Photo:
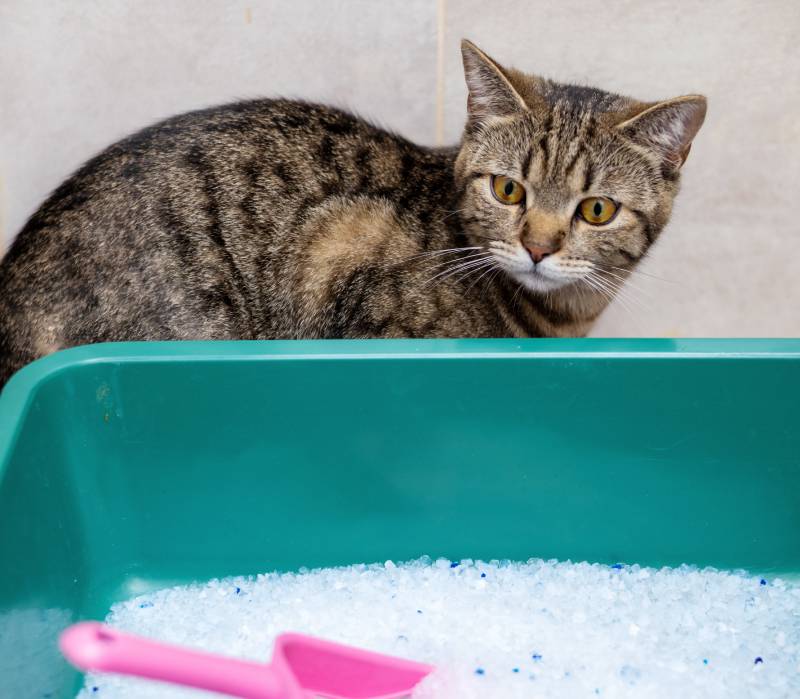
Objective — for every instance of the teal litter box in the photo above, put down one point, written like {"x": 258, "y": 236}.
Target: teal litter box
{"x": 129, "y": 467}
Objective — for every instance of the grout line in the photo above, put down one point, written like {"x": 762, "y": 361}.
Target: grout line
{"x": 441, "y": 11}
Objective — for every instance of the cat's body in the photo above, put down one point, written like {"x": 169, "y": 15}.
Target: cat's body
{"x": 277, "y": 219}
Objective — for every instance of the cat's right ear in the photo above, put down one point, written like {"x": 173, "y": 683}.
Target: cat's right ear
{"x": 490, "y": 92}
{"x": 668, "y": 127}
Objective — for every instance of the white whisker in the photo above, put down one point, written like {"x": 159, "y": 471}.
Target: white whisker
{"x": 627, "y": 282}
{"x": 439, "y": 253}
{"x": 492, "y": 279}
{"x": 594, "y": 283}
{"x": 459, "y": 267}
{"x": 516, "y": 296}
{"x": 475, "y": 270}
{"x": 645, "y": 274}
{"x": 626, "y": 290}
{"x": 463, "y": 258}
{"x": 452, "y": 213}
{"x": 492, "y": 267}
{"x": 614, "y": 290}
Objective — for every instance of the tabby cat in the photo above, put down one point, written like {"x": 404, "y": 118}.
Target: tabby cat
{"x": 280, "y": 219}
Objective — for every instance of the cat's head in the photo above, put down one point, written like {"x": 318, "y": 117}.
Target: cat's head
{"x": 561, "y": 183}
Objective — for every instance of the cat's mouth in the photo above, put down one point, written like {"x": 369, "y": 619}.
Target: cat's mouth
{"x": 543, "y": 276}
{"x": 540, "y": 279}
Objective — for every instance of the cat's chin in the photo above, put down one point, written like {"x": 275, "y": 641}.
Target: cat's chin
{"x": 536, "y": 281}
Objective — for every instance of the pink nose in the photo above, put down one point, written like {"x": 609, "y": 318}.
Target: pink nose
{"x": 538, "y": 253}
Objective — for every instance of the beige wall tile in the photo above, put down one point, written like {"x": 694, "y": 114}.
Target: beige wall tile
{"x": 77, "y": 75}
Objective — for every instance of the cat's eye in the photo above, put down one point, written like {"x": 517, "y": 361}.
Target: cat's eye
{"x": 506, "y": 190}
{"x": 597, "y": 210}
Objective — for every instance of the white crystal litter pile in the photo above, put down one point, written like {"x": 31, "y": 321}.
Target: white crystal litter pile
{"x": 539, "y": 629}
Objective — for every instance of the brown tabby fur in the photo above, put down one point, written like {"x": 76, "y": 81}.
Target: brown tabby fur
{"x": 279, "y": 219}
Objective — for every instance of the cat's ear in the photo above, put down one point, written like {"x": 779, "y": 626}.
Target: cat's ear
{"x": 668, "y": 127}
{"x": 491, "y": 94}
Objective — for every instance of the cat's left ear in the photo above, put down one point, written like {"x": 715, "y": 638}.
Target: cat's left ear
{"x": 668, "y": 127}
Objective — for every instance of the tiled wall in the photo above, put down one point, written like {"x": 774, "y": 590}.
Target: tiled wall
{"x": 77, "y": 75}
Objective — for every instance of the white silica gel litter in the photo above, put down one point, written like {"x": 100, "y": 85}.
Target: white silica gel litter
{"x": 535, "y": 630}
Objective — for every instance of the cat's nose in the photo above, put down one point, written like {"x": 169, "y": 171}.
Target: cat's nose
{"x": 538, "y": 253}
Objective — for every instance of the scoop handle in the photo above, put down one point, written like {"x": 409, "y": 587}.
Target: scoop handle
{"x": 93, "y": 646}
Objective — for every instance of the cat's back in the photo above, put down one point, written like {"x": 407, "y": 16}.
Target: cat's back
{"x": 293, "y": 154}
{"x": 308, "y": 148}
{"x": 190, "y": 224}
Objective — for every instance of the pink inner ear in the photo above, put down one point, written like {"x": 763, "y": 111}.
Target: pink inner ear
{"x": 349, "y": 673}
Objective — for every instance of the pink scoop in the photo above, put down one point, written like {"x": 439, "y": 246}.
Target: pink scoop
{"x": 302, "y": 667}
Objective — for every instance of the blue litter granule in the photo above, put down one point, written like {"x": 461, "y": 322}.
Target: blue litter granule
{"x": 617, "y": 566}
{"x": 480, "y": 671}
{"x": 705, "y": 661}
{"x": 763, "y": 582}
{"x": 419, "y": 611}
{"x": 536, "y": 657}
{"x": 630, "y": 674}
{"x": 95, "y": 689}
{"x": 238, "y": 589}
{"x": 516, "y": 669}
{"x": 454, "y": 564}
{"x": 758, "y": 660}
{"x": 483, "y": 575}
{"x": 145, "y": 605}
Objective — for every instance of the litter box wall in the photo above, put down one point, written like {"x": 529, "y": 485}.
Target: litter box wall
{"x": 133, "y": 466}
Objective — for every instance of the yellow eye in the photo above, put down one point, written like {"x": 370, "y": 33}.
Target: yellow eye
{"x": 597, "y": 210}
{"x": 507, "y": 190}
